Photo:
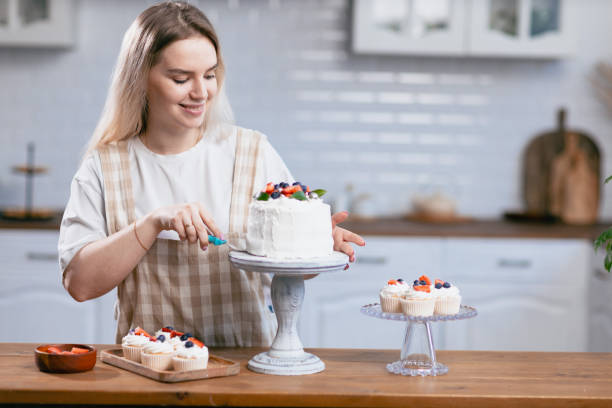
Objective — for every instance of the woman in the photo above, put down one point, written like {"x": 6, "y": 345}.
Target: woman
{"x": 165, "y": 156}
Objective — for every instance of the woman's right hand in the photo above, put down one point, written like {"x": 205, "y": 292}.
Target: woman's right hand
{"x": 191, "y": 221}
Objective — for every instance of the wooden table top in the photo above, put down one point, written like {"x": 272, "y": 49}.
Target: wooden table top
{"x": 353, "y": 378}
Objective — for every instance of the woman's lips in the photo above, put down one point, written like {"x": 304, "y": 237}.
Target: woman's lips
{"x": 195, "y": 110}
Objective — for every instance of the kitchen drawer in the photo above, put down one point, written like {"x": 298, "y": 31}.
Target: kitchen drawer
{"x": 517, "y": 261}
{"x": 385, "y": 258}
{"x": 28, "y": 251}
{"x": 33, "y": 302}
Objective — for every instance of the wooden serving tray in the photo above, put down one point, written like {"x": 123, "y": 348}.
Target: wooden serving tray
{"x": 217, "y": 367}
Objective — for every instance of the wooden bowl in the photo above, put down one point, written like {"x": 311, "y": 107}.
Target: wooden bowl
{"x": 64, "y": 363}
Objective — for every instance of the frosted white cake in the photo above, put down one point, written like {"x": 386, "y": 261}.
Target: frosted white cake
{"x": 287, "y": 228}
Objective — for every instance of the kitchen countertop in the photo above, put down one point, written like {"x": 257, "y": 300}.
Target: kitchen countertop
{"x": 353, "y": 378}
{"x": 475, "y": 228}
{"x": 397, "y": 226}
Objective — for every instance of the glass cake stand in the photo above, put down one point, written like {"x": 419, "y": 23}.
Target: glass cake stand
{"x": 286, "y": 355}
{"x": 418, "y": 355}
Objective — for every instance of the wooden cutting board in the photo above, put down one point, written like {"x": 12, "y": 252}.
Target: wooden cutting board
{"x": 561, "y": 174}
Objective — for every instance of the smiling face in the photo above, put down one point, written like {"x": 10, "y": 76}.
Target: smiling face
{"x": 181, "y": 85}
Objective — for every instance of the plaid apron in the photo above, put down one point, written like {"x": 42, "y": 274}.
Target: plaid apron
{"x": 176, "y": 283}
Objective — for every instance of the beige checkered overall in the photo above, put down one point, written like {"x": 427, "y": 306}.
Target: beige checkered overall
{"x": 178, "y": 284}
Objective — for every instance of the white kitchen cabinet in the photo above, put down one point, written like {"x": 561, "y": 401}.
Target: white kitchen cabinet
{"x": 34, "y": 306}
{"x": 487, "y": 28}
{"x": 520, "y": 28}
{"x": 531, "y": 294}
{"x": 330, "y": 314}
{"x": 409, "y": 26}
{"x": 600, "y": 307}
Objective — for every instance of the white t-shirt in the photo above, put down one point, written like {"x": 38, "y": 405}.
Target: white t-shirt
{"x": 203, "y": 173}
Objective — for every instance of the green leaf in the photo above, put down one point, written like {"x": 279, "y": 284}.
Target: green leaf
{"x": 299, "y": 195}
{"x": 320, "y": 192}
{"x": 608, "y": 261}
{"x": 603, "y": 238}
{"x": 263, "y": 196}
{"x": 608, "y": 179}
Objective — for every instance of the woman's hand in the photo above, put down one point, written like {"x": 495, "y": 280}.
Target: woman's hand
{"x": 342, "y": 237}
{"x": 191, "y": 221}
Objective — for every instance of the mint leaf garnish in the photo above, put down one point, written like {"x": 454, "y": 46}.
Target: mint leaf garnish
{"x": 263, "y": 196}
{"x": 299, "y": 195}
{"x": 320, "y": 192}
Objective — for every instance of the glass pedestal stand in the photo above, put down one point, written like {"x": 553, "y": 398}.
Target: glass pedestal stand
{"x": 418, "y": 354}
{"x": 287, "y": 355}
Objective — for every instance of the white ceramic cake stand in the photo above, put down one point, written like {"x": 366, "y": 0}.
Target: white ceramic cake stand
{"x": 287, "y": 355}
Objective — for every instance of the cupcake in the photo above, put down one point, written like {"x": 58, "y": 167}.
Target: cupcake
{"x": 418, "y": 300}
{"x": 132, "y": 344}
{"x": 448, "y": 298}
{"x": 158, "y": 354}
{"x": 172, "y": 336}
{"x": 390, "y": 295}
{"x": 191, "y": 356}
{"x": 179, "y": 341}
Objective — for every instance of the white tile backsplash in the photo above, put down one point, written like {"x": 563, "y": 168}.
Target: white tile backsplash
{"x": 393, "y": 126}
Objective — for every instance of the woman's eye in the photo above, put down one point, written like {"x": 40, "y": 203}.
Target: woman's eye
{"x": 209, "y": 76}
{"x": 179, "y": 81}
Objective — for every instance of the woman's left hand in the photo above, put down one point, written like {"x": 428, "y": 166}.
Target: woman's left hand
{"x": 343, "y": 237}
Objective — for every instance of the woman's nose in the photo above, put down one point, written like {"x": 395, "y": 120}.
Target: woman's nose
{"x": 198, "y": 91}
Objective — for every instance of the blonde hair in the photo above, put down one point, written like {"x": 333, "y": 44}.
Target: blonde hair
{"x": 125, "y": 111}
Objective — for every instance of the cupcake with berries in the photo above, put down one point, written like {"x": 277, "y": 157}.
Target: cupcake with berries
{"x": 391, "y": 294}
{"x": 180, "y": 339}
{"x": 418, "y": 300}
{"x": 448, "y": 298}
{"x": 192, "y": 355}
{"x": 172, "y": 336}
{"x": 158, "y": 354}
{"x": 133, "y": 343}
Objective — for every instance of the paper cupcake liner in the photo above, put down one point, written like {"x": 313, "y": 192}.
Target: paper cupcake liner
{"x": 157, "y": 361}
{"x": 184, "y": 364}
{"x": 132, "y": 352}
{"x": 418, "y": 307}
{"x": 390, "y": 304}
{"x": 447, "y": 305}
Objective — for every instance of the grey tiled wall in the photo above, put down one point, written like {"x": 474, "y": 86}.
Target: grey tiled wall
{"x": 392, "y": 126}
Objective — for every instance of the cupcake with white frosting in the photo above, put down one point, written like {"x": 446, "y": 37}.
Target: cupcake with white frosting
{"x": 448, "y": 298}
{"x": 179, "y": 341}
{"x": 418, "y": 300}
{"x": 190, "y": 357}
{"x": 158, "y": 354}
{"x": 132, "y": 345}
{"x": 391, "y": 294}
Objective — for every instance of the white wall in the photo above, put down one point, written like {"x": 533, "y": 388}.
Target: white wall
{"x": 291, "y": 75}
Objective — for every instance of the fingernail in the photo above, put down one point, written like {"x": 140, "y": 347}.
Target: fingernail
{"x": 204, "y": 248}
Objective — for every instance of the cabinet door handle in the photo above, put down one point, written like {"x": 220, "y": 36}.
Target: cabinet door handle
{"x": 371, "y": 260}
{"x": 41, "y": 256}
{"x": 514, "y": 263}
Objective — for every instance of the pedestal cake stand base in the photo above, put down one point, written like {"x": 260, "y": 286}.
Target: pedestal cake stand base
{"x": 287, "y": 355}
{"x": 266, "y": 364}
